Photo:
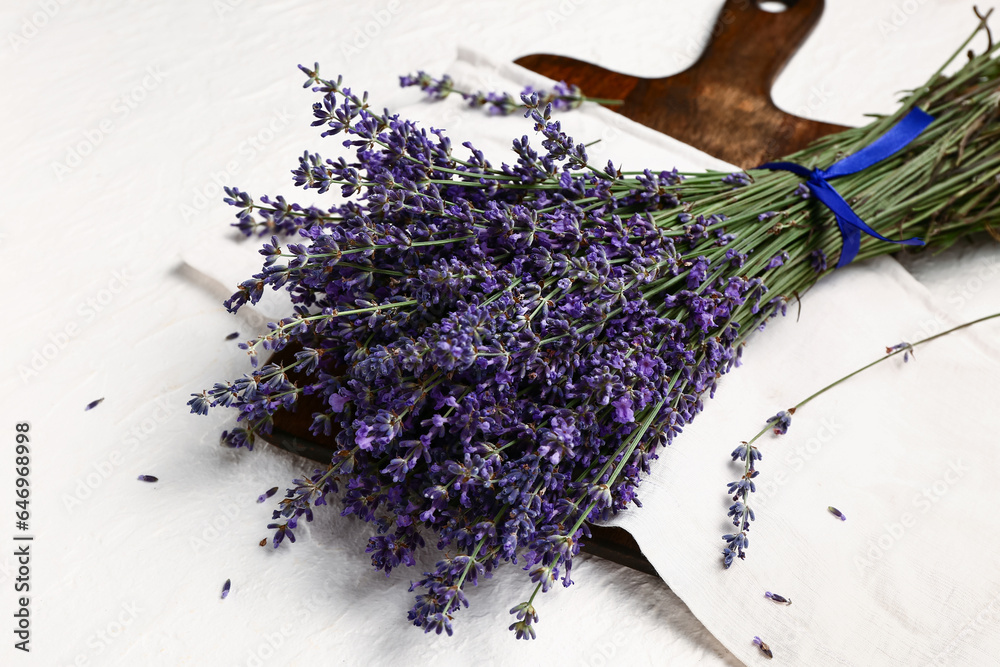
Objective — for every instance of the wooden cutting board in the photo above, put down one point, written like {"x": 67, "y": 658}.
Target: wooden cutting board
{"x": 721, "y": 105}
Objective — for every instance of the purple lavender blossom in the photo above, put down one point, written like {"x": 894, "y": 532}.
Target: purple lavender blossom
{"x": 526, "y": 617}
{"x": 777, "y": 260}
{"x": 837, "y": 513}
{"x": 93, "y": 404}
{"x": 781, "y": 421}
{"x": 225, "y": 588}
{"x": 817, "y": 258}
{"x": 737, "y": 179}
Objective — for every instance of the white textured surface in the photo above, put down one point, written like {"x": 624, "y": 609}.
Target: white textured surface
{"x": 165, "y": 100}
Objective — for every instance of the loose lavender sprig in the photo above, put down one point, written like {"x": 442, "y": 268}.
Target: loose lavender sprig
{"x": 563, "y": 96}
{"x": 746, "y": 453}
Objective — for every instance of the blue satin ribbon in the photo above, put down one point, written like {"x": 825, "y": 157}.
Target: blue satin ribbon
{"x": 851, "y": 226}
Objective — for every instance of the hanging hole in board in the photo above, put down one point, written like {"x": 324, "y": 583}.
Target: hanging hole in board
{"x": 775, "y": 6}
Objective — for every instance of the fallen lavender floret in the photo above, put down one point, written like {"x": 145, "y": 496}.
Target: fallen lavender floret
{"x": 267, "y": 494}
{"x": 837, "y": 513}
{"x": 225, "y": 588}
{"x": 780, "y": 599}
{"x": 148, "y": 478}
{"x": 93, "y": 404}
{"x": 764, "y": 648}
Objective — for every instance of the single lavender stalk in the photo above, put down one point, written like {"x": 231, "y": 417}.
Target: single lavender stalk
{"x": 563, "y": 96}
{"x": 746, "y": 453}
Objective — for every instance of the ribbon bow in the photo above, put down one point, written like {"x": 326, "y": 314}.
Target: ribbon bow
{"x": 850, "y": 225}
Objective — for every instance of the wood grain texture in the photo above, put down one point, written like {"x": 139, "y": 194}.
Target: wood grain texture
{"x": 721, "y": 105}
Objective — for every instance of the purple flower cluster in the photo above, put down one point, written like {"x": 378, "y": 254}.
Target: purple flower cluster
{"x": 502, "y": 350}
{"x": 740, "y": 511}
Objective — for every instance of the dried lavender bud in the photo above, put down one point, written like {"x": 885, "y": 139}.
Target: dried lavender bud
{"x": 263, "y": 542}
{"x": 778, "y": 598}
{"x": 901, "y": 346}
{"x": 738, "y": 179}
{"x": 526, "y": 617}
{"x": 233, "y": 336}
{"x": 817, "y": 259}
{"x": 93, "y": 404}
{"x": 267, "y": 494}
{"x": 148, "y": 478}
{"x": 764, "y": 648}
{"x": 837, "y": 513}
{"x": 781, "y": 422}
{"x": 225, "y": 588}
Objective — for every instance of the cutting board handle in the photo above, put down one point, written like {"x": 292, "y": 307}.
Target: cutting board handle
{"x": 722, "y": 104}
{"x": 750, "y": 46}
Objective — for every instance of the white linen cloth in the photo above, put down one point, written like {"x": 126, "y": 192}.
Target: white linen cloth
{"x": 124, "y": 123}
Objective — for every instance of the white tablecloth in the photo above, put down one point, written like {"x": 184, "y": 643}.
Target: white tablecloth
{"x": 120, "y": 125}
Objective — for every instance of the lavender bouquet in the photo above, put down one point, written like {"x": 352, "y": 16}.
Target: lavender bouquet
{"x": 503, "y": 350}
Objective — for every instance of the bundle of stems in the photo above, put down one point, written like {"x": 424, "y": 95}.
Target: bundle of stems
{"x": 504, "y": 350}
